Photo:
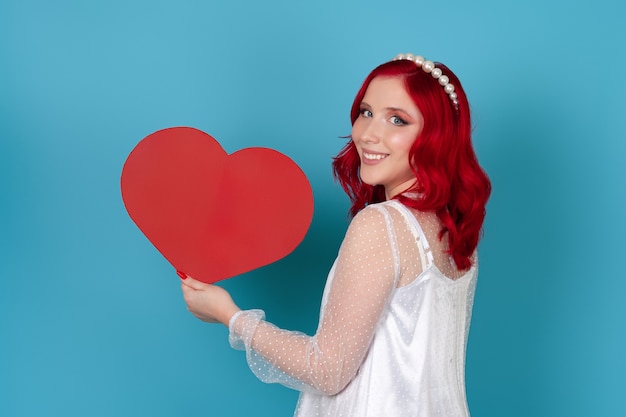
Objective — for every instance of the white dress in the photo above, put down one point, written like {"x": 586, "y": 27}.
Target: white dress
{"x": 392, "y": 332}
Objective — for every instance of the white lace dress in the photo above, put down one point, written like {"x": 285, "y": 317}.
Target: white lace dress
{"x": 392, "y": 332}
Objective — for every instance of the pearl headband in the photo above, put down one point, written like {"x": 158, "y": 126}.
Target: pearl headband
{"x": 429, "y": 67}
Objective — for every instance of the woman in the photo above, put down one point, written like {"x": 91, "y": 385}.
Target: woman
{"x": 397, "y": 304}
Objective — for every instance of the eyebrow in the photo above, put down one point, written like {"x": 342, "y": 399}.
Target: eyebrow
{"x": 392, "y": 109}
{"x": 398, "y": 109}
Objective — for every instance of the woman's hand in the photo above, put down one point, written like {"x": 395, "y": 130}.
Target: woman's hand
{"x": 208, "y": 302}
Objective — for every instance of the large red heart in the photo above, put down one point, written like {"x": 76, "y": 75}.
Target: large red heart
{"x": 210, "y": 214}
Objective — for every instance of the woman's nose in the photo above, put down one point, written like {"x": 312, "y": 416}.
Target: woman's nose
{"x": 371, "y": 133}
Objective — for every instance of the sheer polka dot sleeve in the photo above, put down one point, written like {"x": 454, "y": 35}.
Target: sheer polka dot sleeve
{"x": 360, "y": 283}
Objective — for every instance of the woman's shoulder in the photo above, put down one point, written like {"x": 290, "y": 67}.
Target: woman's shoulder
{"x": 389, "y": 209}
{"x": 378, "y": 217}
{"x": 372, "y": 219}
{"x": 373, "y": 212}
{"x": 379, "y": 207}
{"x": 369, "y": 229}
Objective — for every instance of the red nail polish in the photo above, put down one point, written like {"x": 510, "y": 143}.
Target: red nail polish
{"x": 182, "y": 275}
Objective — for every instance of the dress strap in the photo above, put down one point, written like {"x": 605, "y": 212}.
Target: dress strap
{"x": 422, "y": 243}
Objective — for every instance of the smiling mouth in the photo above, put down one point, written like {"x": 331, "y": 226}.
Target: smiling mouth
{"x": 374, "y": 156}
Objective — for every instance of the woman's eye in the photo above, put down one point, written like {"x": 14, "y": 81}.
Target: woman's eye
{"x": 366, "y": 113}
{"x": 395, "y": 120}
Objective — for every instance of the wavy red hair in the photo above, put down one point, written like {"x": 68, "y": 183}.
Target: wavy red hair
{"x": 450, "y": 181}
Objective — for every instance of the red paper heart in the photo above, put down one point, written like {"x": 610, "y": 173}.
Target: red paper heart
{"x": 210, "y": 214}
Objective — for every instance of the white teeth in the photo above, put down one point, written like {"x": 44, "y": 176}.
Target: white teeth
{"x": 373, "y": 156}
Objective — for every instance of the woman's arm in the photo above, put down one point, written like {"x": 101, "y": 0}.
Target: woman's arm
{"x": 366, "y": 272}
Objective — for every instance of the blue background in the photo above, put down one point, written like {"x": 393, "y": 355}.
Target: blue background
{"x": 92, "y": 322}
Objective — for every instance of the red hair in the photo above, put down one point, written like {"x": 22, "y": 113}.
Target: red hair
{"x": 450, "y": 181}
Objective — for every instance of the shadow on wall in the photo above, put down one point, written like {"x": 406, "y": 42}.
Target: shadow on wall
{"x": 290, "y": 290}
{"x": 527, "y": 247}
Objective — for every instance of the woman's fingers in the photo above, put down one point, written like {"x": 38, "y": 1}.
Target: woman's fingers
{"x": 194, "y": 284}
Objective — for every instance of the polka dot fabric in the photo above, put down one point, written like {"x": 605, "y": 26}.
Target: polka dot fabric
{"x": 393, "y": 326}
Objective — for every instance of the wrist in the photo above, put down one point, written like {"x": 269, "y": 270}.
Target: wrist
{"x": 225, "y": 320}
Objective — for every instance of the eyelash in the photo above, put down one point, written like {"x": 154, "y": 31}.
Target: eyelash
{"x": 400, "y": 120}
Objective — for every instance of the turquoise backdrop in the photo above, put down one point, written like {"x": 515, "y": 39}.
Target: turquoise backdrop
{"x": 92, "y": 322}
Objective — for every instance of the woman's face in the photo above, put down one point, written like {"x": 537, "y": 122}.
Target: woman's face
{"x": 383, "y": 134}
